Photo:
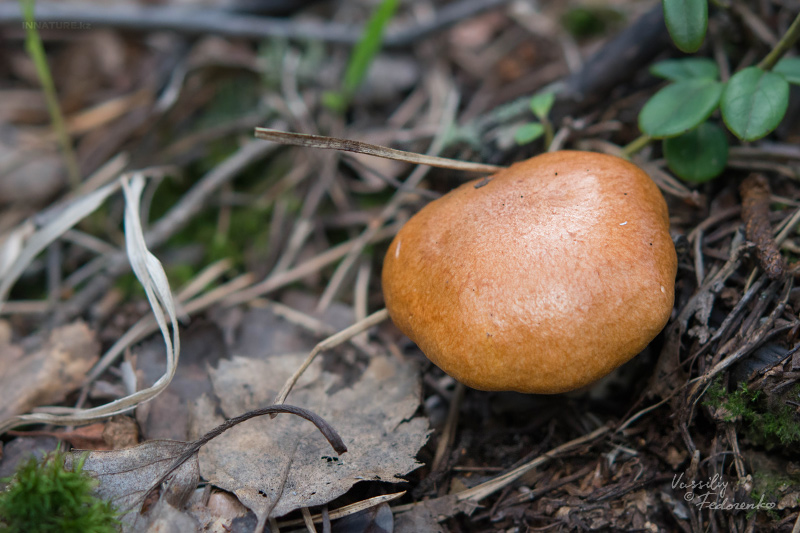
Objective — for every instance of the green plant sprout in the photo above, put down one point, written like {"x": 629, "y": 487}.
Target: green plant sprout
{"x": 46, "y": 498}
{"x": 35, "y": 48}
{"x": 363, "y": 55}
{"x": 540, "y": 105}
{"x": 752, "y": 102}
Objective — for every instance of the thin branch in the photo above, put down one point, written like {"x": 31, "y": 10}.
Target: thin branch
{"x": 193, "y": 447}
{"x": 347, "y": 145}
{"x": 242, "y": 26}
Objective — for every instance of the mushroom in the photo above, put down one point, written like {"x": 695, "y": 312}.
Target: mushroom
{"x": 539, "y": 279}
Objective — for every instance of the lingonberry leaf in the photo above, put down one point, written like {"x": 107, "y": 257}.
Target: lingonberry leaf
{"x": 698, "y": 155}
{"x": 686, "y": 69}
{"x": 754, "y": 103}
{"x": 789, "y": 68}
{"x": 679, "y": 107}
{"x": 687, "y": 21}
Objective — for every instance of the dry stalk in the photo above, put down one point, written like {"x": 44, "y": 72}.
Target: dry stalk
{"x": 347, "y": 145}
{"x": 334, "y": 340}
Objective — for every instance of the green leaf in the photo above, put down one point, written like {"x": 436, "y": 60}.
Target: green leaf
{"x": 541, "y": 105}
{"x": 335, "y": 100}
{"x": 528, "y": 133}
{"x": 789, "y": 68}
{"x": 679, "y": 107}
{"x": 687, "y": 21}
{"x": 699, "y": 155}
{"x": 363, "y": 54}
{"x": 368, "y": 46}
{"x": 754, "y": 103}
{"x": 686, "y": 69}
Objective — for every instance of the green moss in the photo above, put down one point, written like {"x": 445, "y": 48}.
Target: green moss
{"x": 770, "y": 486}
{"x": 234, "y": 96}
{"x": 44, "y": 497}
{"x": 765, "y": 423}
{"x": 587, "y": 21}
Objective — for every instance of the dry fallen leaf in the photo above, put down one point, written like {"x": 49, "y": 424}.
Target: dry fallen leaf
{"x": 167, "y": 416}
{"x": 47, "y": 375}
{"x": 129, "y": 478}
{"x": 127, "y": 475}
{"x": 272, "y": 465}
{"x": 120, "y": 432}
{"x": 85, "y": 437}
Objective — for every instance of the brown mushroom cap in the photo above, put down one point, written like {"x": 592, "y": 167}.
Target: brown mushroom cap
{"x": 543, "y": 280}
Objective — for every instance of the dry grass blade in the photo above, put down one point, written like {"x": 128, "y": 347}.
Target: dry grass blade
{"x": 479, "y": 492}
{"x": 150, "y": 274}
{"x": 147, "y": 325}
{"x": 347, "y": 510}
{"x": 445, "y": 122}
{"x": 334, "y": 340}
{"x": 308, "y": 521}
{"x": 57, "y": 226}
{"x": 347, "y": 145}
{"x": 281, "y": 279}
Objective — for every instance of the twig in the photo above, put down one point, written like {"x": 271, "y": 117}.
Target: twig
{"x": 192, "y": 448}
{"x": 618, "y": 60}
{"x": 750, "y": 343}
{"x": 325, "y": 166}
{"x": 755, "y": 213}
{"x": 276, "y": 281}
{"x": 241, "y": 26}
{"x": 413, "y": 180}
{"x": 787, "y": 227}
{"x": 479, "y": 492}
{"x": 347, "y": 145}
{"x": 755, "y": 24}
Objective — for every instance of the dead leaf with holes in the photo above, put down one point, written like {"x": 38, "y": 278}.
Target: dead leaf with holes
{"x": 129, "y": 478}
{"x": 126, "y": 476}
{"x": 274, "y": 467}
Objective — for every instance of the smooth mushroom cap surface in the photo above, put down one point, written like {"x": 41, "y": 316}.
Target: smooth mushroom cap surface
{"x": 543, "y": 280}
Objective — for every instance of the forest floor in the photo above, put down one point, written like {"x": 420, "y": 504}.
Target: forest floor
{"x": 271, "y": 249}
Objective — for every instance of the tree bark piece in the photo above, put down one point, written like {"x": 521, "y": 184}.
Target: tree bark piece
{"x": 755, "y": 213}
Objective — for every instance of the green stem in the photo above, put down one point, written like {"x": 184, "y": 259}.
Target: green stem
{"x": 636, "y": 145}
{"x": 548, "y": 132}
{"x": 35, "y": 48}
{"x": 786, "y": 42}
